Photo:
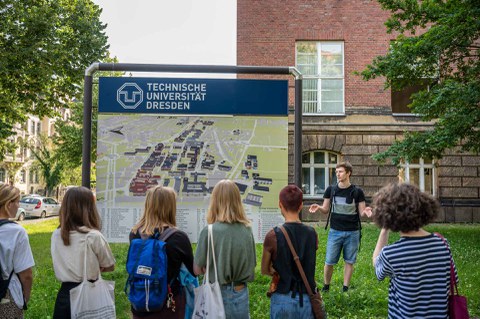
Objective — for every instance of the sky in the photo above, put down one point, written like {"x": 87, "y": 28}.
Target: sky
{"x": 171, "y": 31}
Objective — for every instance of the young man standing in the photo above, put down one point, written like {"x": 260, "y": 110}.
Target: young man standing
{"x": 348, "y": 203}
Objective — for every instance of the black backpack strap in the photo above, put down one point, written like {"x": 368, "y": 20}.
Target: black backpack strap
{"x": 6, "y": 221}
{"x": 354, "y": 194}
{"x": 167, "y": 233}
{"x": 332, "y": 199}
{"x": 7, "y": 283}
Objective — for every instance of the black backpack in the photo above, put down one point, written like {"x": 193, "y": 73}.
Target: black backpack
{"x": 4, "y": 282}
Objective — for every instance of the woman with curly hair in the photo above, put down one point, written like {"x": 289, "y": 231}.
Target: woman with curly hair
{"x": 418, "y": 264}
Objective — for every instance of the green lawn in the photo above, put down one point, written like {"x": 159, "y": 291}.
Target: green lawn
{"x": 367, "y": 298}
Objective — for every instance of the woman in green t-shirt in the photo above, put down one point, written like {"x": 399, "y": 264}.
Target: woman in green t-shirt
{"x": 234, "y": 248}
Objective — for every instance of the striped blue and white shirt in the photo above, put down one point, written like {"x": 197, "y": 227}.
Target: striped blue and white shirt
{"x": 419, "y": 271}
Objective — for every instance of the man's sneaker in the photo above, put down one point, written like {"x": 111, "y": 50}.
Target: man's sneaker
{"x": 345, "y": 288}
{"x": 326, "y": 288}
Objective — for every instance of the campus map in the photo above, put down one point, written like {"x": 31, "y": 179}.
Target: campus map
{"x": 190, "y": 154}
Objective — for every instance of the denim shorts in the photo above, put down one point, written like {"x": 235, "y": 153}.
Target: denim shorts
{"x": 283, "y": 306}
{"x": 348, "y": 241}
{"x": 235, "y": 302}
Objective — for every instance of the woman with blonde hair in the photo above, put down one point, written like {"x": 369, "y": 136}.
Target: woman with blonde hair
{"x": 79, "y": 230}
{"x": 15, "y": 256}
{"x": 158, "y": 216}
{"x": 234, "y": 248}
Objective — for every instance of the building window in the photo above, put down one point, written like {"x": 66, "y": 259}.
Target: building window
{"x": 32, "y": 127}
{"x": 36, "y": 177}
{"x": 39, "y": 128}
{"x": 402, "y": 99}
{"x": 23, "y": 176}
{"x": 420, "y": 173}
{"x": 2, "y": 175}
{"x": 318, "y": 172}
{"x": 321, "y": 64}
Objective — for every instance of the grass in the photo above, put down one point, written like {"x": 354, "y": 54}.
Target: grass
{"x": 366, "y": 299}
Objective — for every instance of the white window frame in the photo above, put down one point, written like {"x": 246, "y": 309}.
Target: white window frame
{"x": 319, "y": 77}
{"x": 421, "y": 166}
{"x": 325, "y": 166}
{"x": 3, "y": 174}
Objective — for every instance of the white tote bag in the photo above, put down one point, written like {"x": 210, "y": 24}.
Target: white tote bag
{"x": 208, "y": 297}
{"x": 92, "y": 300}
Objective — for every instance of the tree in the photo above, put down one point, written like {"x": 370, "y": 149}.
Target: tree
{"x": 69, "y": 134}
{"x": 48, "y": 161}
{"x": 440, "y": 41}
{"x": 45, "y": 46}
{"x": 12, "y": 169}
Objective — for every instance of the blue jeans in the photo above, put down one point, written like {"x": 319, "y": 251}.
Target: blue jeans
{"x": 283, "y": 306}
{"x": 235, "y": 302}
{"x": 348, "y": 241}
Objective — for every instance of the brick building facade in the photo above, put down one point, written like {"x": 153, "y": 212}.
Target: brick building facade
{"x": 344, "y": 117}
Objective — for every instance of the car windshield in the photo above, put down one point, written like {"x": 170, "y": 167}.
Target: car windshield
{"x": 29, "y": 200}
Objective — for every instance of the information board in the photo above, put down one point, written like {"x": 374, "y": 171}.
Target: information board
{"x": 189, "y": 134}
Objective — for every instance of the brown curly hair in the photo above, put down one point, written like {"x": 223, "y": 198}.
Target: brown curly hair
{"x": 403, "y": 207}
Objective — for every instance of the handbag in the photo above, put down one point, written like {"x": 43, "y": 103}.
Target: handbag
{"x": 457, "y": 305}
{"x": 91, "y": 300}
{"x": 208, "y": 297}
{"x": 318, "y": 307}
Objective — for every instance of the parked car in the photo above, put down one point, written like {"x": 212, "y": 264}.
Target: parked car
{"x": 39, "y": 206}
{"x": 20, "y": 214}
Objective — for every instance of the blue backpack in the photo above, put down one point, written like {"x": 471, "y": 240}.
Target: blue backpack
{"x": 147, "y": 286}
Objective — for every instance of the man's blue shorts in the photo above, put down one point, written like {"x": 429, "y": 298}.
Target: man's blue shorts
{"x": 348, "y": 241}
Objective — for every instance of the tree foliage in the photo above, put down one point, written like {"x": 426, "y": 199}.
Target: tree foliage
{"x": 69, "y": 134}
{"x": 45, "y": 46}
{"x": 48, "y": 162}
{"x": 69, "y": 137}
{"x": 440, "y": 41}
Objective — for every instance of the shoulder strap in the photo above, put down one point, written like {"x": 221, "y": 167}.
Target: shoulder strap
{"x": 297, "y": 261}
{"x": 354, "y": 193}
{"x": 453, "y": 282}
{"x": 167, "y": 233}
{"x": 3, "y": 222}
{"x": 6, "y": 221}
{"x": 332, "y": 199}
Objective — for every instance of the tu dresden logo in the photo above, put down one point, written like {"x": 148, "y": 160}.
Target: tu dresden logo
{"x": 129, "y": 96}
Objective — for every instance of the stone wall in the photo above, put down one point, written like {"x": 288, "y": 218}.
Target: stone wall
{"x": 457, "y": 174}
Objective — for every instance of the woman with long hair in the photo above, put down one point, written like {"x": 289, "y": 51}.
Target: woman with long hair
{"x": 158, "y": 216}
{"x": 234, "y": 248}
{"x": 79, "y": 230}
{"x": 16, "y": 256}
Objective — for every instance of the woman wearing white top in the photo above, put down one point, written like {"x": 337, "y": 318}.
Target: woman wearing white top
{"x": 15, "y": 256}
{"x": 79, "y": 222}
